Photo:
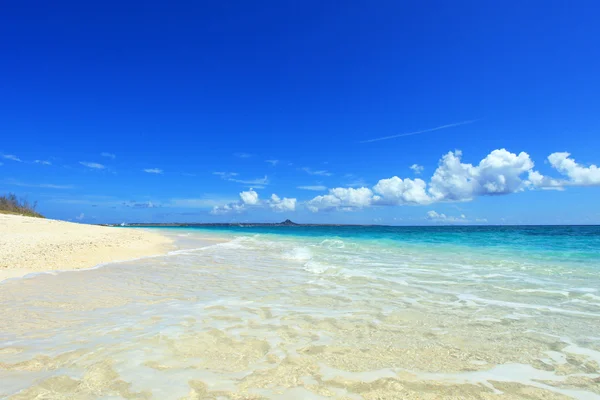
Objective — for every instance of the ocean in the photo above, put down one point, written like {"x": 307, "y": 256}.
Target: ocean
{"x": 299, "y": 312}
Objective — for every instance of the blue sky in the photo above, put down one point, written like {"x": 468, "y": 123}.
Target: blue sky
{"x": 160, "y": 112}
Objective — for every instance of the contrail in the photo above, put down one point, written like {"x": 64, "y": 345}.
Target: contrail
{"x": 419, "y": 132}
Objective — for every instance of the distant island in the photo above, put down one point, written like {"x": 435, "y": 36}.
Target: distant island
{"x": 287, "y": 222}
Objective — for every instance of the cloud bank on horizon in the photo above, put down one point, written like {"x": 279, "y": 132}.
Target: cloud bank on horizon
{"x": 499, "y": 173}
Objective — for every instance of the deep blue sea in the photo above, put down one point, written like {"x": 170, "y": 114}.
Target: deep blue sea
{"x": 343, "y": 312}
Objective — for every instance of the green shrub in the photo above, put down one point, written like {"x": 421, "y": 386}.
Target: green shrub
{"x": 11, "y": 204}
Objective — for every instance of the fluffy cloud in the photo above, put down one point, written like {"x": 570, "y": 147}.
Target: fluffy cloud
{"x": 500, "y": 172}
{"x": 92, "y": 165}
{"x": 417, "y": 169}
{"x": 395, "y": 191}
{"x": 578, "y": 175}
{"x": 280, "y": 205}
{"x": 250, "y": 199}
{"x": 343, "y": 198}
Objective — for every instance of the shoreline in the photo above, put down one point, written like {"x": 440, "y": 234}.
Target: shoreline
{"x": 31, "y": 245}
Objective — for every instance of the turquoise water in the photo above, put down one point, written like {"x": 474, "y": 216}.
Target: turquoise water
{"x": 562, "y": 244}
{"x": 317, "y": 313}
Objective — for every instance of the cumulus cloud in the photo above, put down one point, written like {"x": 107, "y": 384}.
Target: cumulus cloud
{"x": 42, "y": 162}
{"x": 396, "y": 191}
{"x": 91, "y": 165}
{"x": 280, "y": 205}
{"x": 80, "y": 217}
{"x": 250, "y": 198}
{"x": 153, "y": 170}
{"x": 311, "y": 171}
{"x": 499, "y": 173}
{"x": 417, "y": 169}
{"x": 11, "y": 157}
{"x": 108, "y": 155}
{"x": 343, "y": 198}
{"x": 247, "y": 198}
{"x": 577, "y": 174}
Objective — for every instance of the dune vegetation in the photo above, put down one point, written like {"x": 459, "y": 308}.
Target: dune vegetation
{"x": 12, "y": 204}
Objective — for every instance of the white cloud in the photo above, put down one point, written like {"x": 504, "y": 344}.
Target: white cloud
{"x": 42, "y": 162}
{"x": 280, "y": 205}
{"x": 443, "y": 218}
{"x": 498, "y": 173}
{"x": 227, "y": 208}
{"x": 272, "y": 162}
{"x": 11, "y": 157}
{"x": 396, "y": 191}
{"x": 80, "y": 217}
{"x": 316, "y": 188}
{"x": 108, "y": 155}
{"x": 249, "y": 197}
{"x": 578, "y": 175}
{"x": 342, "y": 198}
{"x": 417, "y": 169}
{"x": 316, "y": 172}
{"x": 153, "y": 170}
{"x": 92, "y": 165}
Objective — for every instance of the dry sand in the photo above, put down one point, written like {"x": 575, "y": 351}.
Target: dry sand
{"x": 34, "y": 244}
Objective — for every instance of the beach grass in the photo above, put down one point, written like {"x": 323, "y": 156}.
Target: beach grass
{"x": 12, "y": 204}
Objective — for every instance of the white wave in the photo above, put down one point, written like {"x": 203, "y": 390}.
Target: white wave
{"x": 298, "y": 253}
{"x": 317, "y": 268}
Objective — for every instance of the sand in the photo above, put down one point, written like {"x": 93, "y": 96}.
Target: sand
{"x": 30, "y": 245}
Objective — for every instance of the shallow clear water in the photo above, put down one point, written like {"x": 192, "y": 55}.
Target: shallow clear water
{"x": 317, "y": 312}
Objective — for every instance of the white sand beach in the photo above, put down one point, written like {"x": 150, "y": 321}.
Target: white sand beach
{"x": 35, "y": 244}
